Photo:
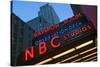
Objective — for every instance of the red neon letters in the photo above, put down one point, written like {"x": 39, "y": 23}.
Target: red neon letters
{"x": 29, "y": 54}
{"x": 52, "y": 42}
{"x": 42, "y": 48}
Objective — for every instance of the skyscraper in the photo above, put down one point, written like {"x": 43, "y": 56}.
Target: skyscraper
{"x": 49, "y": 14}
{"x": 46, "y": 17}
{"x": 21, "y": 37}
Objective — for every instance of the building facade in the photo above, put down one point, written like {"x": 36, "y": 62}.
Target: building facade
{"x": 89, "y": 11}
{"x": 21, "y": 37}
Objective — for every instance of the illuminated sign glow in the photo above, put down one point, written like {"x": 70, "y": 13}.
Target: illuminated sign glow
{"x": 51, "y": 37}
{"x": 42, "y": 48}
{"x": 63, "y": 28}
{"x": 55, "y": 26}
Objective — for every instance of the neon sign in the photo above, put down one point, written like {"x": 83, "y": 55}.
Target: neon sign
{"x": 53, "y": 27}
{"x": 51, "y": 38}
{"x": 59, "y": 29}
{"x": 42, "y": 48}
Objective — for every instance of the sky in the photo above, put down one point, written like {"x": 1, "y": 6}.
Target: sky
{"x": 27, "y": 10}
